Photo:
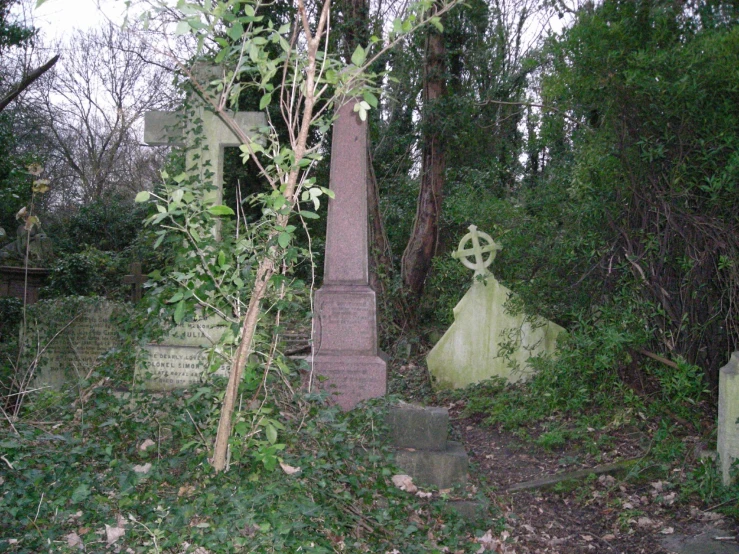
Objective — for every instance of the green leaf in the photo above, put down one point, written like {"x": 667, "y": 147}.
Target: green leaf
{"x": 176, "y": 298}
{"x": 436, "y": 22}
{"x": 221, "y": 258}
{"x": 143, "y": 196}
{"x": 271, "y": 433}
{"x": 359, "y": 56}
{"x": 236, "y": 31}
{"x": 83, "y": 491}
{"x": 177, "y": 196}
{"x": 283, "y": 239}
{"x": 370, "y": 98}
{"x": 179, "y": 312}
{"x": 220, "y": 210}
{"x": 264, "y": 102}
{"x": 309, "y": 215}
{"x": 397, "y": 26}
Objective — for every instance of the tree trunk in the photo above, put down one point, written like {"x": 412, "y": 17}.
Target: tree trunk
{"x": 421, "y": 246}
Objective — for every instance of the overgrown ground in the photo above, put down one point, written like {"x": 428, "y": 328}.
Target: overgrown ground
{"x": 98, "y": 469}
{"x": 664, "y": 492}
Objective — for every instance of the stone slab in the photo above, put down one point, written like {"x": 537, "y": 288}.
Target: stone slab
{"x": 419, "y": 427}
{"x": 174, "y": 367}
{"x": 76, "y": 348}
{"x": 728, "y": 417}
{"x": 204, "y": 332}
{"x": 471, "y": 511}
{"x": 701, "y": 540}
{"x": 345, "y": 321}
{"x": 180, "y": 360}
{"x": 347, "y": 250}
{"x": 486, "y": 341}
{"x": 442, "y": 469}
{"x": 351, "y": 379}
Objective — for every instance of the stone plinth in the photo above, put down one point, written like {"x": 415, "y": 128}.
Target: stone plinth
{"x": 728, "y": 415}
{"x": 419, "y": 435}
{"x": 442, "y": 469}
{"x": 345, "y": 351}
{"x": 418, "y": 427}
{"x": 13, "y": 282}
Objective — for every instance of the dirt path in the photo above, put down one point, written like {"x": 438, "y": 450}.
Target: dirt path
{"x": 602, "y": 514}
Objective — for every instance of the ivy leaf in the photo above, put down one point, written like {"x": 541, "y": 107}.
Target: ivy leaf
{"x": 179, "y": 312}
{"x": 359, "y": 56}
{"x": 271, "y": 433}
{"x": 220, "y": 210}
{"x": 143, "y": 196}
{"x": 81, "y": 493}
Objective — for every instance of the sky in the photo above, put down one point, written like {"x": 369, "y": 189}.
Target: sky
{"x": 57, "y": 18}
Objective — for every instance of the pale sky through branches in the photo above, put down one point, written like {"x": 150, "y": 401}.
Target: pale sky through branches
{"x": 58, "y": 18}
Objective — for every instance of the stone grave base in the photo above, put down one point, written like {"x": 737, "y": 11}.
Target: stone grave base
{"x": 419, "y": 436}
{"x": 356, "y": 377}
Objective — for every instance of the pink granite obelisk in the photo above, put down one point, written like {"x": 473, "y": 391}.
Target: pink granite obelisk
{"x": 345, "y": 349}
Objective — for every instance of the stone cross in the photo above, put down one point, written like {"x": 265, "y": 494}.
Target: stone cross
{"x": 345, "y": 348}
{"x": 205, "y": 157}
{"x": 728, "y": 416}
{"x": 137, "y": 279}
{"x": 476, "y": 251}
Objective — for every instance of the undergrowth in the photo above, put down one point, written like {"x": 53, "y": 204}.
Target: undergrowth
{"x": 75, "y": 471}
{"x": 586, "y": 396}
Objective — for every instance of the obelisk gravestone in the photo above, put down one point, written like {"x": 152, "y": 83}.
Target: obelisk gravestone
{"x": 345, "y": 349}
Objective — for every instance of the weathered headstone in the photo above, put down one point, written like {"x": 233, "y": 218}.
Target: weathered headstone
{"x": 181, "y": 360}
{"x": 204, "y": 153}
{"x": 486, "y": 340}
{"x": 70, "y": 347}
{"x": 345, "y": 349}
{"x": 728, "y": 416}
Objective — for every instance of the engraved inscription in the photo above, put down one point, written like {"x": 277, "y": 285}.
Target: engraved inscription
{"x": 347, "y": 323}
{"x": 77, "y": 348}
{"x": 173, "y": 367}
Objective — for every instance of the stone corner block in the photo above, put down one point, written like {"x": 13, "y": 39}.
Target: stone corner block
{"x": 422, "y": 428}
{"x": 442, "y": 469}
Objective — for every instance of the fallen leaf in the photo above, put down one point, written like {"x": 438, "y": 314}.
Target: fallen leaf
{"x": 145, "y": 468}
{"x": 421, "y": 494}
{"x": 586, "y": 538}
{"x": 290, "y": 470}
{"x": 112, "y": 534}
{"x": 73, "y": 539}
{"x": 608, "y": 537}
{"x": 644, "y": 522}
{"x": 185, "y": 490}
{"x": 404, "y": 483}
{"x": 148, "y": 443}
{"x": 667, "y": 531}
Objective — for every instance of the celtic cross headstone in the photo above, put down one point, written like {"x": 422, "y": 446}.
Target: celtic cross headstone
{"x": 486, "y": 339}
{"x": 473, "y": 256}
